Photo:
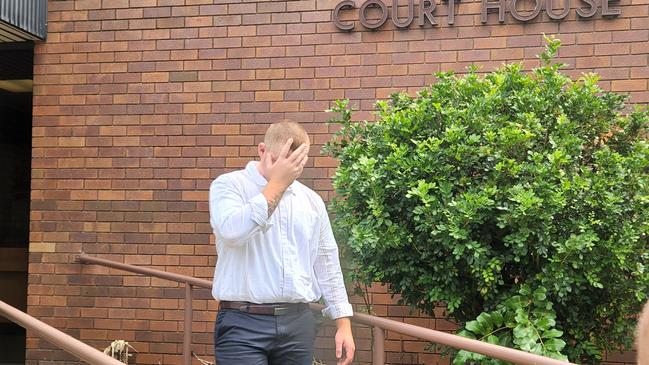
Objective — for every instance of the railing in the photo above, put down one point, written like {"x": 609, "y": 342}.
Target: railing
{"x": 56, "y": 337}
{"x": 189, "y": 281}
{"x": 379, "y": 325}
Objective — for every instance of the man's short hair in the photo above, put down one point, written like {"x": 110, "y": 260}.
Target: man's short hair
{"x": 278, "y": 133}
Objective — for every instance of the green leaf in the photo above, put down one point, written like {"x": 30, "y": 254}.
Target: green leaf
{"x": 486, "y": 322}
{"x": 523, "y": 332}
{"x": 475, "y": 327}
{"x": 551, "y": 333}
{"x": 555, "y": 344}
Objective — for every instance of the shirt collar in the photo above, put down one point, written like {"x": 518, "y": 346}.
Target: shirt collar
{"x": 253, "y": 172}
{"x": 259, "y": 179}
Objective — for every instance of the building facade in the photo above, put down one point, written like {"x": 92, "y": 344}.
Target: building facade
{"x": 139, "y": 104}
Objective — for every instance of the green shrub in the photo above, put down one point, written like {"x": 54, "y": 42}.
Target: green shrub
{"x": 518, "y": 200}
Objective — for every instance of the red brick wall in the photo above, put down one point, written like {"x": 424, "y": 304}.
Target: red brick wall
{"x": 139, "y": 104}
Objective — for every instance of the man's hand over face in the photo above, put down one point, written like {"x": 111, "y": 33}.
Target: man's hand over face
{"x": 287, "y": 167}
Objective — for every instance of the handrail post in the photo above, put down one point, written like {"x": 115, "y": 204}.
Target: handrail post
{"x": 378, "y": 346}
{"x": 187, "y": 338}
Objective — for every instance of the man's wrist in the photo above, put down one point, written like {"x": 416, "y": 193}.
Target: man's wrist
{"x": 273, "y": 189}
{"x": 278, "y": 184}
{"x": 343, "y": 323}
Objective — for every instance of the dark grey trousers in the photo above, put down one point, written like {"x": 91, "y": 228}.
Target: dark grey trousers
{"x": 255, "y": 339}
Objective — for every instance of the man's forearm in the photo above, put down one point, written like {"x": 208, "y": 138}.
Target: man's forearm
{"x": 273, "y": 193}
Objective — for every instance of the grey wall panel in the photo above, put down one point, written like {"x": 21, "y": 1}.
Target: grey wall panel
{"x": 28, "y": 18}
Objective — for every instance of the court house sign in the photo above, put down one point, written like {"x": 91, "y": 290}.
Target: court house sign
{"x": 426, "y": 11}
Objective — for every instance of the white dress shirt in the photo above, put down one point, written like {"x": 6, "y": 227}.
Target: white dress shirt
{"x": 290, "y": 256}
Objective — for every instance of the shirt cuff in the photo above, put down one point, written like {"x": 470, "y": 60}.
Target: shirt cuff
{"x": 259, "y": 206}
{"x": 338, "y": 311}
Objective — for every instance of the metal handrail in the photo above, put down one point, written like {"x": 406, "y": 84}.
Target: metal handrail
{"x": 56, "y": 337}
{"x": 202, "y": 283}
{"x": 379, "y": 325}
{"x": 189, "y": 283}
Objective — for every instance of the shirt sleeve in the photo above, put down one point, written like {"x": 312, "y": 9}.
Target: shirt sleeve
{"x": 233, "y": 219}
{"x": 328, "y": 272}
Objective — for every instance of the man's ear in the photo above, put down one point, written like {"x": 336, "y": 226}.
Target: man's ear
{"x": 261, "y": 149}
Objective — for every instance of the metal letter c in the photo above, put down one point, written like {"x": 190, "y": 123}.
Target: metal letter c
{"x": 336, "y": 15}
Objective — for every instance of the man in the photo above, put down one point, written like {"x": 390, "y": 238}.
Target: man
{"x": 276, "y": 253}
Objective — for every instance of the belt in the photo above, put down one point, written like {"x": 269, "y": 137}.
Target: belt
{"x": 275, "y": 309}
